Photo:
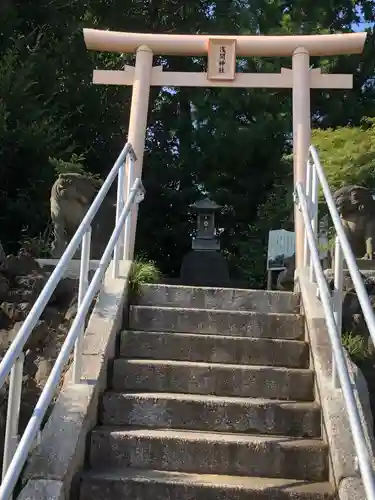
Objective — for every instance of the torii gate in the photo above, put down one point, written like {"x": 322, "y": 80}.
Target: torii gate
{"x": 221, "y": 72}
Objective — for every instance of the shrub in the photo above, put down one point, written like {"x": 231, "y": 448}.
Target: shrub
{"x": 142, "y": 271}
{"x": 357, "y": 347}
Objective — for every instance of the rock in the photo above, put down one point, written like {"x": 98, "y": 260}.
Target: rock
{"x": 285, "y": 280}
{"x": 65, "y": 290}
{"x": 16, "y": 312}
{"x": 19, "y": 265}
{"x": 44, "y": 369}
{"x": 2, "y": 254}
{"x": 348, "y": 285}
{"x": 4, "y": 321}
{"x": 34, "y": 280}
{"x": 39, "y": 333}
{"x": 72, "y": 311}
{"x": 52, "y": 314}
{"x": 353, "y": 320}
{"x": 4, "y": 287}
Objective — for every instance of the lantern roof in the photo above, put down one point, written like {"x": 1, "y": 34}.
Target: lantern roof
{"x": 205, "y": 205}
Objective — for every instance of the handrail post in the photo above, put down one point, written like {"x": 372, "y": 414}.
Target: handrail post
{"x": 314, "y": 213}
{"x": 128, "y": 222}
{"x": 13, "y": 412}
{"x": 83, "y": 286}
{"x": 306, "y": 251}
{"x": 337, "y": 302}
{"x": 119, "y": 206}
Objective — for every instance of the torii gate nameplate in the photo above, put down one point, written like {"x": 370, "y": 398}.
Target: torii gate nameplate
{"x": 221, "y": 59}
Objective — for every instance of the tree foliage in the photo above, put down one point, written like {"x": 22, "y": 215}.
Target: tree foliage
{"x": 229, "y": 143}
{"x": 347, "y": 154}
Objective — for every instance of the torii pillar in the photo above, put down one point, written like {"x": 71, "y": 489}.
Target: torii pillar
{"x": 221, "y": 72}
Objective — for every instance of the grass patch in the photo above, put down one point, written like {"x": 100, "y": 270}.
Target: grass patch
{"x": 357, "y": 347}
{"x": 142, "y": 271}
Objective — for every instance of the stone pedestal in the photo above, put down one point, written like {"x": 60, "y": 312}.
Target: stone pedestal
{"x": 204, "y": 268}
{"x": 364, "y": 265}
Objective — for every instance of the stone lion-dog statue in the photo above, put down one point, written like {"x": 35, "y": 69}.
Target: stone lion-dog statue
{"x": 71, "y": 197}
{"x": 356, "y": 207}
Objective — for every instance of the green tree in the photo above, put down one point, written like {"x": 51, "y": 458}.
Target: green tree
{"x": 50, "y": 114}
{"x": 30, "y": 132}
{"x": 347, "y": 154}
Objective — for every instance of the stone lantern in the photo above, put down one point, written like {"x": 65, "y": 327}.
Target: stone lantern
{"x": 205, "y": 238}
{"x": 204, "y": 265}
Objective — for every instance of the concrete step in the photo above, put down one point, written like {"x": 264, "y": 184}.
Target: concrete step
{"x": 213, "y": 322}
{"x": 230, "y": 299}
{"x": 214, "y": 348}
{"x": 137, "y": 484}
{"x": 215, "y": 413}
{"x": 213, "y": 378}
{"x": 210, "y": 453}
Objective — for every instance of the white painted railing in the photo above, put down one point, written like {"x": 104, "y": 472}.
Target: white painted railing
{"x": 307, "y": 199}
{"x": 15, "y": 451}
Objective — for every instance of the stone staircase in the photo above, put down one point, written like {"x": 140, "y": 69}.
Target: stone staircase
{"x": 211, "y": 398}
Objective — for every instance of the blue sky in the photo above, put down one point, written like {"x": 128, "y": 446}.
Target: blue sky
{"x": 361, "y": 26}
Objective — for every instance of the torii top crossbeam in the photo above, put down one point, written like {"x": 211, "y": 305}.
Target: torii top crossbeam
{"x": 246, "y": 46}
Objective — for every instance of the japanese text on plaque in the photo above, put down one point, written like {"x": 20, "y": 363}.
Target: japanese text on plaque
{"x": 222, "y": 58}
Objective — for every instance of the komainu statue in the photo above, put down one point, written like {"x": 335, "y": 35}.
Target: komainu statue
{"x": 71, "y": 197}
{"x": 285, "y": 280}
{"x": 356, "y": 207}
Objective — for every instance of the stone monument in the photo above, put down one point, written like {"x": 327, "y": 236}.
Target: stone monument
{"x": 205, "y": 265}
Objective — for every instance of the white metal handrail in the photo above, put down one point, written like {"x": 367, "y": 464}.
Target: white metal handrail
{"x": 345, "y": 248}
{"x": 307, "y": 198}
{"x": 15, "y": 455}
